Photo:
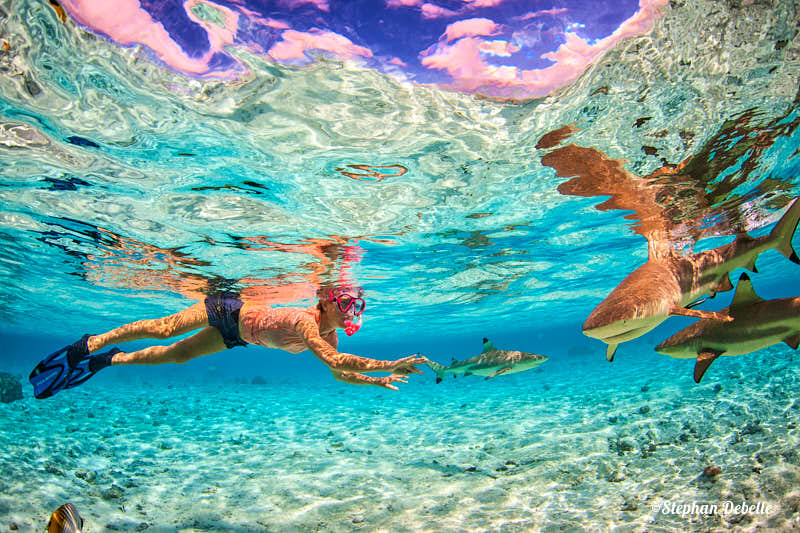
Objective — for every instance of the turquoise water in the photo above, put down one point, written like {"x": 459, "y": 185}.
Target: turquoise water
{"x": 128, "y": 191}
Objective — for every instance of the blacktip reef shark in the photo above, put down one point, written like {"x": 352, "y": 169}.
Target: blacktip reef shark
{"x": 490, "y": 362}
{"x": 669, "y": 282}
{"x": 756, "y": 324}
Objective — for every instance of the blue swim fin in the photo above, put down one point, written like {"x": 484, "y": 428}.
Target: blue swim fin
{"x": 52, "y": 373}
{"x": 88, "y": 367}
{"x": 66, "y": 368}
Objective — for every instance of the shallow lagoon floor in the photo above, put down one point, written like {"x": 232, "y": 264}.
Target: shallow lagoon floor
{"x": 578, "y": 444}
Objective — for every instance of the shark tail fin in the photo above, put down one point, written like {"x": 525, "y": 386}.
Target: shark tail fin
{"x": 783, "y": 232}
{"x": 438, "y": 369}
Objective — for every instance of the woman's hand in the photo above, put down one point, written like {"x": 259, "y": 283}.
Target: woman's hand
{"x": 386, "y": 382}
{"x": 406, "y": 365}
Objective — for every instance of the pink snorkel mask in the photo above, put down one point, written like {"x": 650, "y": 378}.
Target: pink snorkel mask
{"x": 349, "y": 304}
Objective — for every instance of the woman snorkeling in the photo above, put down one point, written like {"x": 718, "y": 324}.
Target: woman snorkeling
{"x": 228, "y": 321}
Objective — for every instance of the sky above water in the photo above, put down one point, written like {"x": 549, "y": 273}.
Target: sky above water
{"x": 507, "y": 49}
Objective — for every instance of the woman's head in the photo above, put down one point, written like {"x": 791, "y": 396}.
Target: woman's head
{"x": 344, "y": 303}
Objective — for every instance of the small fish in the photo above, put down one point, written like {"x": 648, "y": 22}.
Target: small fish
{"x": 490, "y": 362}
{"x": 756, "y": 324}
{"x": 65, "y": 520}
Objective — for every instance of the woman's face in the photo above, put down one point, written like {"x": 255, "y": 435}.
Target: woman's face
{"x": 345, "y": 310}
{"x": 337, "y": 316}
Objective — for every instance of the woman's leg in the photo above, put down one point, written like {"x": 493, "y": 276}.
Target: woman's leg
{"x": 207, "y": 341}
{"x": 159, "y": 328}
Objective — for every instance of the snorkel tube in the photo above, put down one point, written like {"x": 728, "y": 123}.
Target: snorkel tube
{"x": 351, "y": 327}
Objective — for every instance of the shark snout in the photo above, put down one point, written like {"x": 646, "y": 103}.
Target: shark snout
{"x": 616, "y": 329}
{"x": 621, "y": 318}
{"x": 533, "y": 362}
{"x": 675, "y": 348}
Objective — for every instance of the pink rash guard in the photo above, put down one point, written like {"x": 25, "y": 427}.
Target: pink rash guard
{"x": 277, "y": 327}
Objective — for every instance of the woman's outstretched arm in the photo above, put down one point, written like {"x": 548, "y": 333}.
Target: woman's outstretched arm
{"x": 346, "y": 367}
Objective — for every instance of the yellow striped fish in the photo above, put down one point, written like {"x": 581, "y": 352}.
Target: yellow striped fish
{"x": 65, "y": 520}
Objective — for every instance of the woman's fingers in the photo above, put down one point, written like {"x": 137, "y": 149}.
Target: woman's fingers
{"x": 394, "y": 378}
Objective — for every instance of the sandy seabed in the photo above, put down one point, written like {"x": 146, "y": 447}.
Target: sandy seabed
{"x": 576, "y": 445}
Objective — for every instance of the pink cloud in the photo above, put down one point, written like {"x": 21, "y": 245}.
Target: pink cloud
{"x": 270, "y": 22}
{"x": 294, "y": 44}
{"x": 322, "y": 5}
{"x": 543, "y": 12}
{"x": 498, "y": 48}
{"x": 470, "y": 72}
{"x": 255, "y": 16}
{"x": 462, "y": 61}
{"x": 397, "y": 61}
{"x": 432, "y": 11}
{"x": 125, "y": 22}
{"x": 277, "y": 24}
{"x": 482, "y": 3}
{"x": 403, "y": 3}
{"x": 471, "y": 28}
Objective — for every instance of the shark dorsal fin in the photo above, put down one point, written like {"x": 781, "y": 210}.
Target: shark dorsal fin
{"x": 487, "y": 345}
{"x": 744, "y": 295}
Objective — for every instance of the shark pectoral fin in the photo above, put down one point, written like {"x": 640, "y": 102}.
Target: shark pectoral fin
{"x": 793, "y": 341}
{"x": 501, "y": 371}
{"x": 610, "y": 351}
{"x": 704, "y": 360}
{"x": 711, "y": 315}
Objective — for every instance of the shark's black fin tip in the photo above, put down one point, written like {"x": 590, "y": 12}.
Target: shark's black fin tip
{"x": 485, "y": 340}
{"x": 438, "y": 380}
{"x": 793, "y": 258}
